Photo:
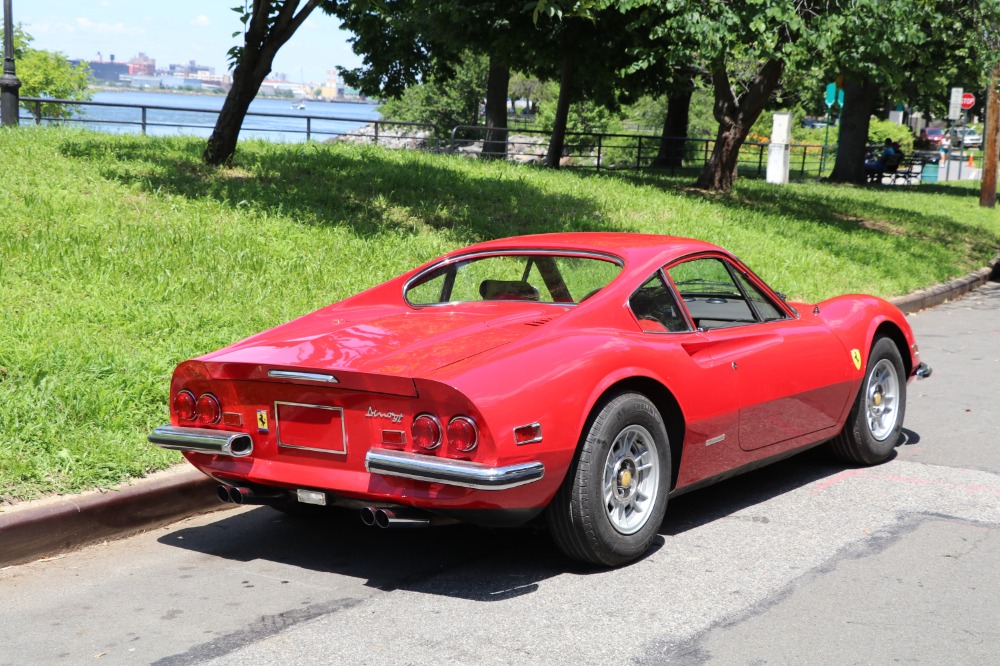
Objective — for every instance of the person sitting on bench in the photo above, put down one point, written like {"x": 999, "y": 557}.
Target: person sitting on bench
{"x": 887, "y": 161}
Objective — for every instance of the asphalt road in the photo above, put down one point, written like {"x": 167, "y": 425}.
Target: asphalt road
{"x": 805, "y": 562}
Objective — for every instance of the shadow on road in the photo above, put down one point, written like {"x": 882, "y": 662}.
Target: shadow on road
{"x": 465, "y": 561}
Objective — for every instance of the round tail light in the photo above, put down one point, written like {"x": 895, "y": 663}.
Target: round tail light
{"x": 426, "y": 431}
{"x": 463, "y": 435}
{"x": 208, "y": 409}
{"x": 184, "y": 405}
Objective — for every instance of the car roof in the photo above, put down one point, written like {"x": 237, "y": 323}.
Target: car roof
{"x": 633, "y": 248}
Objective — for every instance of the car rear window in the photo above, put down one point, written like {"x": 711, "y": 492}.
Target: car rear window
{"x": 533, "y": 277}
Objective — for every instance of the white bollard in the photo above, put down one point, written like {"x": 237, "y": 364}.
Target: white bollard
{"x": 779, "y": 150}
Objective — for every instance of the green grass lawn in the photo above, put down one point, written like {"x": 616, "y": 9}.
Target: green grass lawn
{"x": 121, "y": 256}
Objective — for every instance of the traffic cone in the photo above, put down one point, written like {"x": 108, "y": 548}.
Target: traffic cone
{"x": 971, "y": 163}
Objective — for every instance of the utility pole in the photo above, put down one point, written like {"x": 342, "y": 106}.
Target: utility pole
{"x": 9, "y": 83}
{"x": 991, "y": 145}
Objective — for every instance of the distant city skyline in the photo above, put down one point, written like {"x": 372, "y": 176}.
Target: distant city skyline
{"x": 176, "y": 33}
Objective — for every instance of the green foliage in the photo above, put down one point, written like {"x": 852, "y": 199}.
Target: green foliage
{"x": 585, "y": 117}
{"x": 121, "y": 256}
{"x": 647, "y": 112}
{"x": 523, "y": 86}
{"x": 880, "y": 130}
{"x": 445, "y": 102}
{"x": 914, "y": 51}
{"x": 702, "y": 122}
{"x": 48, "y": 74}
{"x": 21, "y": 41}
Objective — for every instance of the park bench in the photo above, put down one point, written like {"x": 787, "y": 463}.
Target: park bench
{"x": 908, "y": 170}
{"x": 889, "y": 167}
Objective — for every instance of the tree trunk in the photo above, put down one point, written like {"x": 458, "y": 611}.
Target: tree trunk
{"x": 860, "y": 98}
{"x": 247, "y": 77}
{"x": 735, "y": 117}
{"x": 991, "y": 145}
{"x": 497, "y": 84}
{"x": 673, "y": 140}
{"x": 270, "y": 24}
{"x": 558, "y": 138}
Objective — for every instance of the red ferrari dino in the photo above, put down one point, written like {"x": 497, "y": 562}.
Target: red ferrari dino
{"x": 582, "y": 377}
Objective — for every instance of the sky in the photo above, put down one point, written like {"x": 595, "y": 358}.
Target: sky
{"x": 176, "y": 31}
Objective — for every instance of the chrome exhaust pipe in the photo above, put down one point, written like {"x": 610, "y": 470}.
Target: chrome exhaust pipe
{"x": 368, "y": 516}
{"x": 223, "y": 493}
{"x": 203, "y": 440}
{"x": 401, "y": 518}
{"x": 242, "y": 495}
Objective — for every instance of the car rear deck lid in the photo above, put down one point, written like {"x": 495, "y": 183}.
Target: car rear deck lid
{"x": 332, "y": 379}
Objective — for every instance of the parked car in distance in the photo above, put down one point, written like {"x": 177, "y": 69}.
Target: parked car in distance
{"x": 965, "y": 136}
{"x": 930, "y": 137}
{"x": 581, "y": 379}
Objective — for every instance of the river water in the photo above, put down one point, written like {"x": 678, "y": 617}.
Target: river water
{"x": 195, "y": 115}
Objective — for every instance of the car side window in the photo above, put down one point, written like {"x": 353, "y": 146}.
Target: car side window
{"x": 710, "y": 294}
{"x": 765, "y": 307}
{"x": 655, "y": 307}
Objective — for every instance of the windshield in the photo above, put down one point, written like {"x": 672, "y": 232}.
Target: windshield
{"x": 540, "y": 277}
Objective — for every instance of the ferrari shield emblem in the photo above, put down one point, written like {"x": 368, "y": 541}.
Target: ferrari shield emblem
{"x": 855, "y": 356}
{"x": 262, "y": 420}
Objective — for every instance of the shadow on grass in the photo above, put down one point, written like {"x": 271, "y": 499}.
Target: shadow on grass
{"x": 916, "y": 235}
{"x": 369, "y": 189}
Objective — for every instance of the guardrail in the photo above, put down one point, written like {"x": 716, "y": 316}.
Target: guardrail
{"x": 152, "y": 117}
{"x": 587, "y": 150}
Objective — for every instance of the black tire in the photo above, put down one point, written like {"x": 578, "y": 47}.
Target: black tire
{"x": 874, "y": 425}
{"x": 624, "y": 449}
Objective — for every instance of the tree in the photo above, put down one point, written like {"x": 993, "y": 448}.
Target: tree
{"x": 444, "y": 101}
{"x": 743, "y": 48}
{"x": 531, "y": 89}
{"x": 886, "y": 50}
{"x": 673, "y": 143}
{"x": 268, "y": 25}
{"x": 48, "y": 74}
{"x": 410, "y": 41}
{"x": 590, "y": 51}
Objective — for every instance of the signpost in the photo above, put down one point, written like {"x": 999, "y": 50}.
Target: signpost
{"x": 834, "y": 95}
{"x": 955, "y": 103}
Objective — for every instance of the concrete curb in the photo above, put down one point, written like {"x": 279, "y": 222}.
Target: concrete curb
{"x": 938, "y": 294}
{"x": 43, "y": 528}
{"x": 54, "y": 525}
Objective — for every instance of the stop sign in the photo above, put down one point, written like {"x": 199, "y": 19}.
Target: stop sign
{"x": 968, "y": 100}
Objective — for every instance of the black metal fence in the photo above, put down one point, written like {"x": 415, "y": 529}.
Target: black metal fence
{"x": 586, "y": 150}
{"x": 607, "y": 150}
{"x": 154, "y": 119}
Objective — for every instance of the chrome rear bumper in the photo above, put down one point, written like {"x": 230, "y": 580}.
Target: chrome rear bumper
{"x": 203, "y": 440}
{"x": 451, "y": 472}
{"x": 923, "y": 371}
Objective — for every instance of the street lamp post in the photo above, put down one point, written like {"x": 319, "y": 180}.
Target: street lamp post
{"x": 9, "y": 83}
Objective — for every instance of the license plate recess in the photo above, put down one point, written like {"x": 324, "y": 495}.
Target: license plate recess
{"x": 310, "y": 427}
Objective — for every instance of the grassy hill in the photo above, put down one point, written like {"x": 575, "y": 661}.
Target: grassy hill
{"x": 121, "y": 256}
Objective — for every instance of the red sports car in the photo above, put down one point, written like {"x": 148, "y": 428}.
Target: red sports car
{"x": 582, "y": 377}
